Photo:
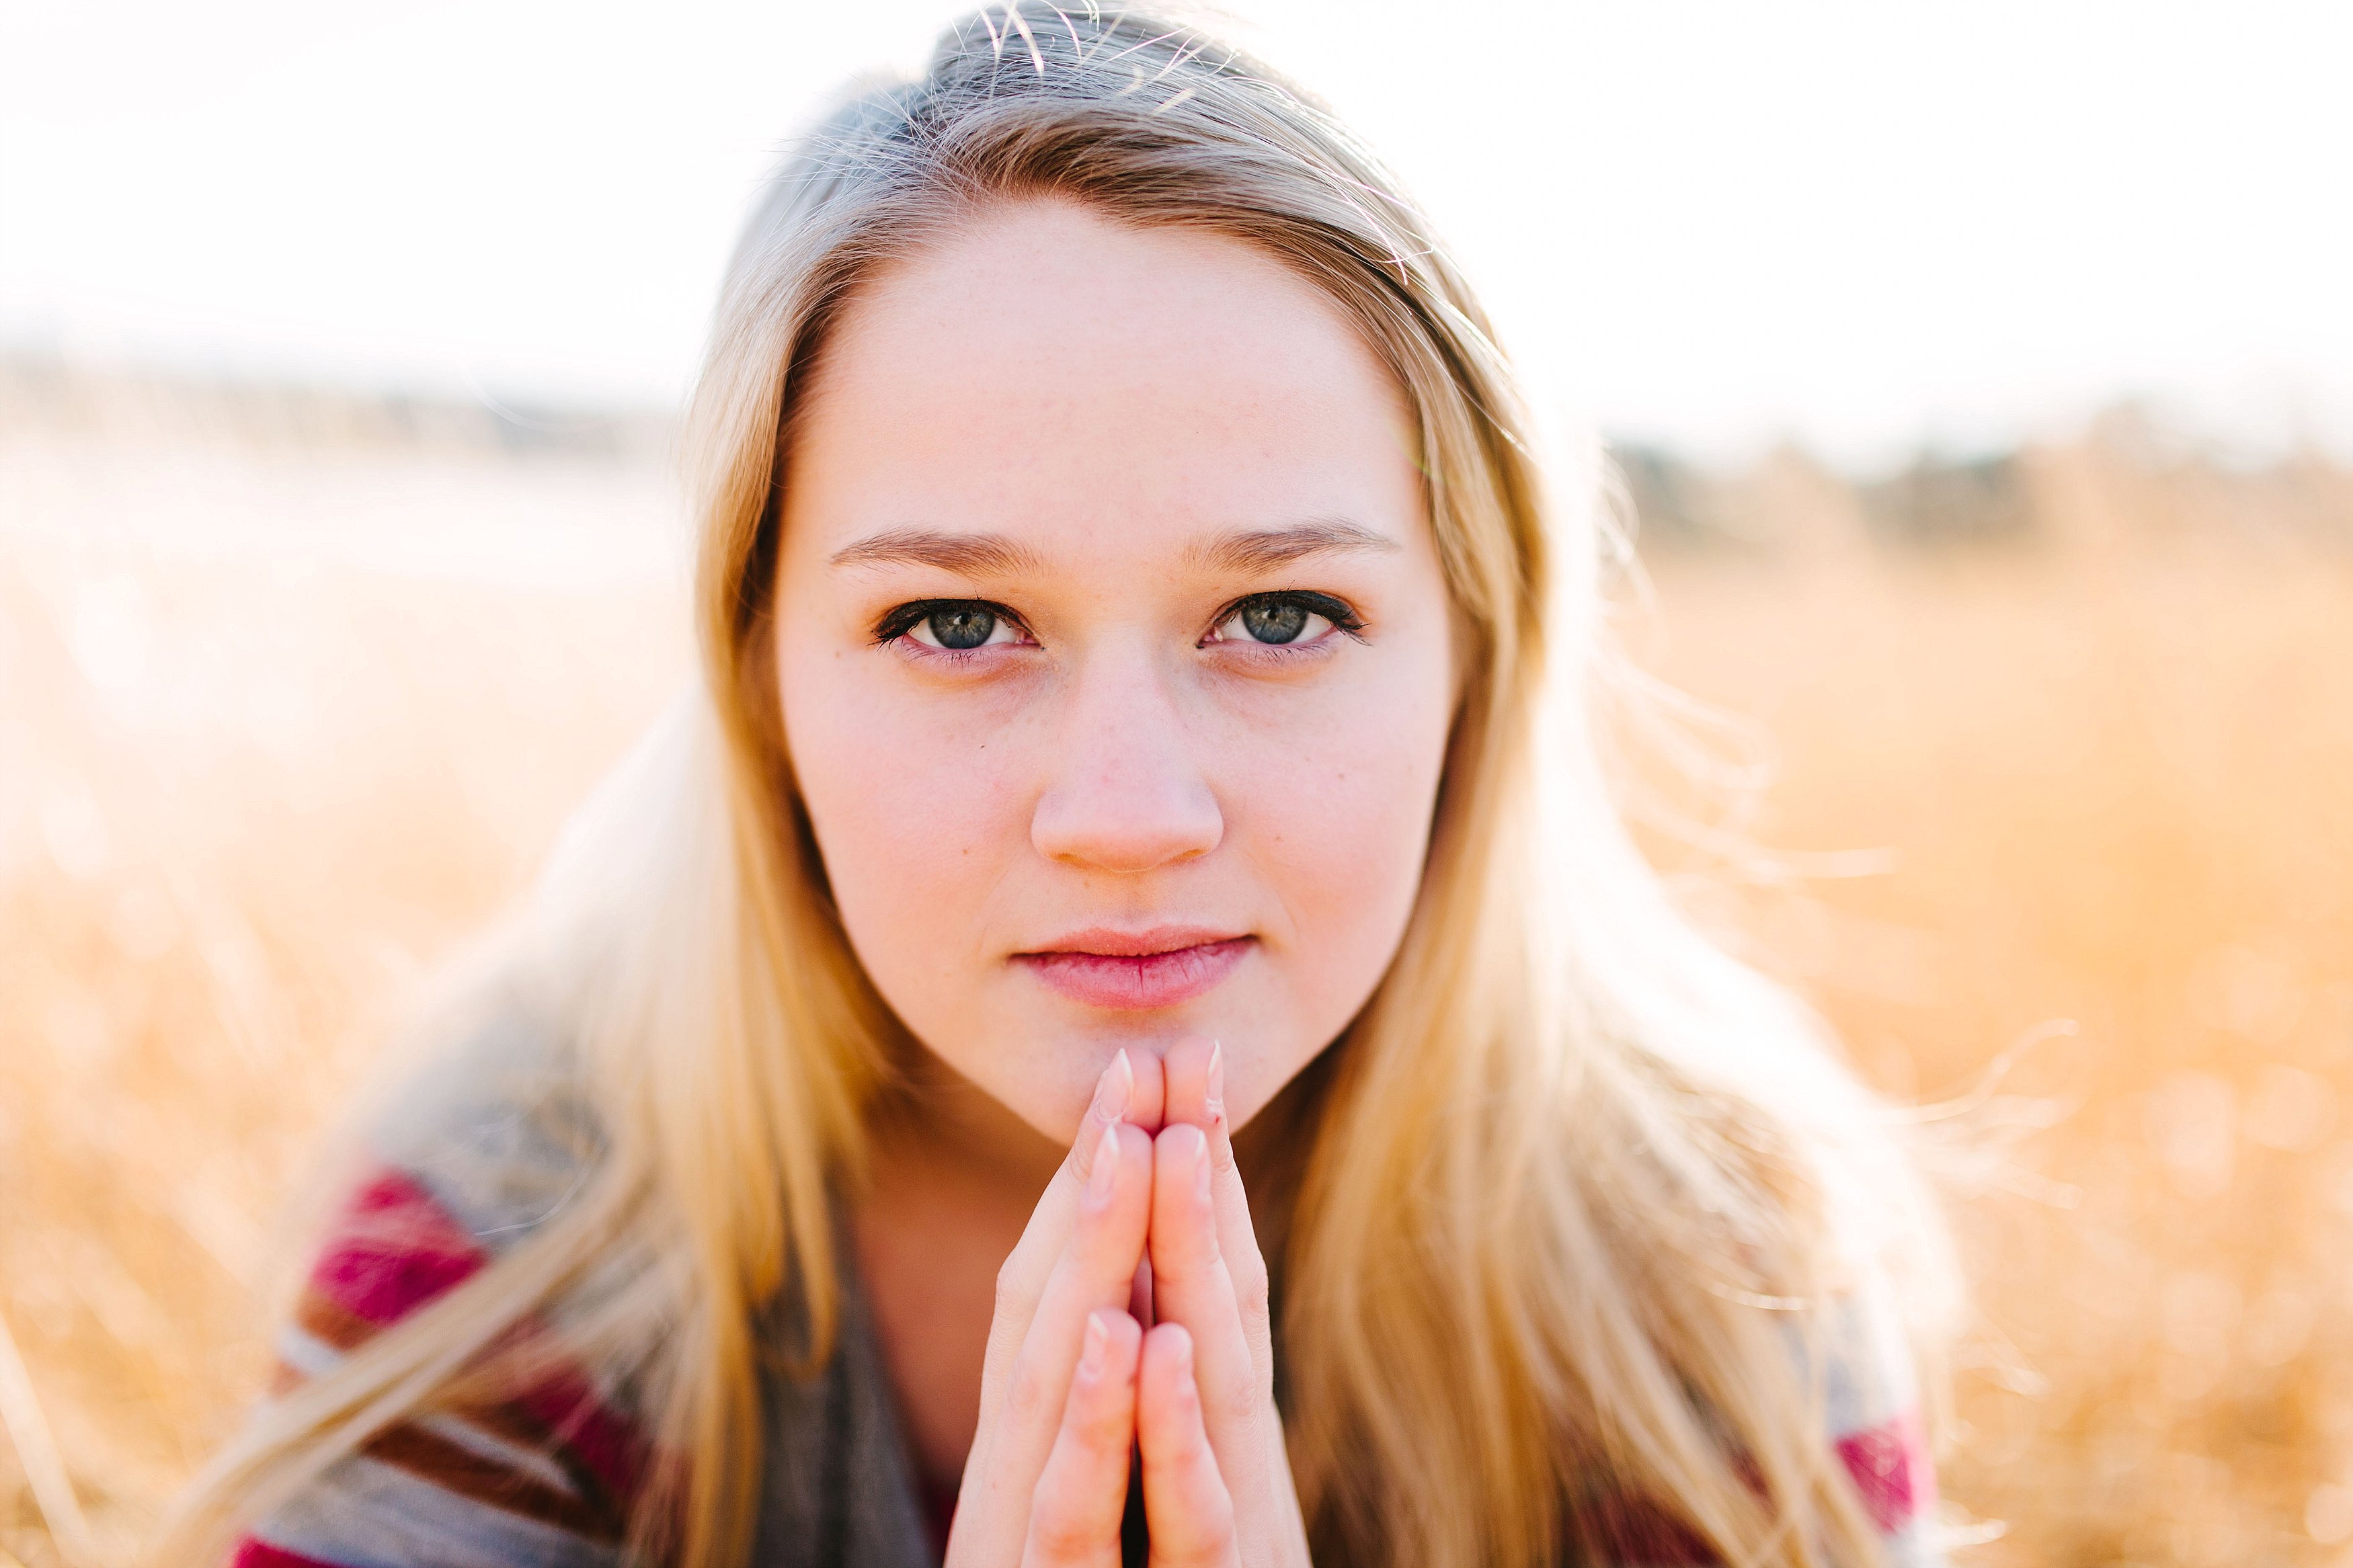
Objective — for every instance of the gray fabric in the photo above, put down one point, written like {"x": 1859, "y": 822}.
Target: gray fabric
{"x": 839, "y": 1491}
{"x": 502, "y": 1134}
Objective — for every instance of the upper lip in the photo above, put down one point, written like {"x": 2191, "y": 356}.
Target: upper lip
{"x": 1104, "y": 942}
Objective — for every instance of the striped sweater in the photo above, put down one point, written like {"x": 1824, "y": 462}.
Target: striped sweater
{"x": 546, "y": 1478}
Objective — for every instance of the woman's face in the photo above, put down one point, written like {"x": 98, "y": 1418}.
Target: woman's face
{"x": 1114, "y": 653}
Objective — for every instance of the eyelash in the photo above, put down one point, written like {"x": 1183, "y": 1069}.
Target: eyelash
{"x": 898, "y": 622}
{"x": 902, "y": 619}
{"x": 1342, "y": 618}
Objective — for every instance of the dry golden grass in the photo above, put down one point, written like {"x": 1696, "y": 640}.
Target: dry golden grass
{"x": 279, "y": 723}
{"x": 2112, "y": 775}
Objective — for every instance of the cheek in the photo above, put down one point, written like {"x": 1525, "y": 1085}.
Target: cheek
{"x": 908, "y": 802}
{"x": 1339, "y": 830}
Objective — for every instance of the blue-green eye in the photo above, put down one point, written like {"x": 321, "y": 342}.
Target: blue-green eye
{"x": 951, "y": 625}
{"x": 960, "y": 626}
{"x": 1277, "y": 620}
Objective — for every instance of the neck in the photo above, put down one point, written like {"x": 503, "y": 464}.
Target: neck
{"x": 951, "y": 1179}
{"x": 941, "y": 1125}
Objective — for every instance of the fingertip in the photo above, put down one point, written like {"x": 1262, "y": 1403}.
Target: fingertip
{"x": 1135, "y": 1144}
{"x": 1119, "y": 1336}
{"x": 1096, "y": 1341}
{"x": 1188, "y": 1505}
{"x": 1081, "y": 1489}
{"x": 1114, "y": 1089}
{"x": 1170, "y": 1423}
{"x": 1102, "y": 1171}
{"x": 1103, "y": 1384}
{"x": 1122, "y": 1169}
{"x": 1110, "y": 1349}
{"x": 1183, "y": 1151}
{"x": 1182, "y": 1141}
{"x": 1114, "y": 1092}
{"x": 1168, "y": 1352}
{"x": 1147, "y": 1104}
{"x": 1187, "y": 1067}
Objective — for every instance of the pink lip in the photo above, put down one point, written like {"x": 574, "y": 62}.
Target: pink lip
{"x": 1132, "y": 970}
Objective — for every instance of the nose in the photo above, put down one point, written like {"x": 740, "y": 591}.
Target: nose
{"x": 1125, "y": 794}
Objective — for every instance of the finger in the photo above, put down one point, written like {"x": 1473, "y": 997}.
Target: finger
{"x": 1124, "y": 1092}
{"x": 1096, "y": 1270}
{"x": 1082, "y": 1496}
{"x": 1191, "y": 1286}
{"x": 1187, "y": 1507}
{"x": 1195, "y": 1092}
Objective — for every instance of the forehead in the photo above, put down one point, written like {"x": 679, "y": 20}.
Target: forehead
{"x": 1048, "y": 371}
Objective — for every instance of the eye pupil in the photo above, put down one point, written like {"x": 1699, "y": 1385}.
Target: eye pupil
{"x": 969, "y": 626}
{"x": 1273, "y": 620}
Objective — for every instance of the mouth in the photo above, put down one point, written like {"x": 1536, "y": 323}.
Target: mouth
{"x": 1136, "y": 971}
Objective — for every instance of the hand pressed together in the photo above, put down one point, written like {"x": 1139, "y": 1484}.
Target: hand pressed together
{"x": 1073, "y": 1383}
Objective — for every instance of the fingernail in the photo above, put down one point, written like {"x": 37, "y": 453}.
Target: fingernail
{"x": 1106, "y": 1171}
{"x": 1214, "y": 1094}
{"x": 1091, "y": 1358}
{"x": 1114, "y": 1088}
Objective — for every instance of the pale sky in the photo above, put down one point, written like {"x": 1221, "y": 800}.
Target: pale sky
{"x": 1862, "y": 225}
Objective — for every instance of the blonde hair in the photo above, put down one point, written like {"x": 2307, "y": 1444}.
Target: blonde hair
{"x": 1572, "y": 1188}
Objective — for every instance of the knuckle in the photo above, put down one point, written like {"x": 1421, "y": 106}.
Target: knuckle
{"x": 1197, "y": 1467}
{"x": 1210, "y": 1535}
{"x": 1101, "y": 1440}
{"x": 1235, "y": 1405}
{"x": 1057, "y": 1535}
{"x": 1013, "y": 1292}
{"x": 1026, "y": 1395}
{"x": 1252, "y": 1289}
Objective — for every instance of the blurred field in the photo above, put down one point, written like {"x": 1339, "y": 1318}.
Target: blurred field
{"x": 294, "y": 693}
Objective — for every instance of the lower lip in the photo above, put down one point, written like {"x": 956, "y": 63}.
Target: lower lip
{"x": 1132, "y": 984}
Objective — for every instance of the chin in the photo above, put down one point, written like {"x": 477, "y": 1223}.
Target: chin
{"x": 1041, "y": 1063}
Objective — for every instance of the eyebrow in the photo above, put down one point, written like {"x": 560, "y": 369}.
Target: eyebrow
{"x": 976, "y": 554}
{"x": 1264, "y": 549}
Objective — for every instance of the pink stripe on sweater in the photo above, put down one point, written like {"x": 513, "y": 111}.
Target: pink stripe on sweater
{"x": 611, "y": 1447}
{"x": 252, "y": 1553}
{"x": 1891, "y": 1467}
{"x": 1643, "y": 1535}
{"x": 394, "y": 1249}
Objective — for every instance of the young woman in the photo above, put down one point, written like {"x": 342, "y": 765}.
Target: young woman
{"x": 1118, "y": 1017}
